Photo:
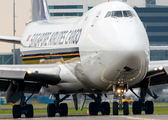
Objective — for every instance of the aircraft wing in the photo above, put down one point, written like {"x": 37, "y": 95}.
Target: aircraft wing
{"x": 10, "y": 39}
{"x": 30, "y": 78}
{"x": 45, "y": 74}
{"x": 157, "y": 73}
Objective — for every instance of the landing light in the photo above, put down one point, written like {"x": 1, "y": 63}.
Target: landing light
{"x": 118, "y": 91}
{"x": 160, "y": 68}
{"x": 155, "y": 69}
{"x": 29, "y": 72}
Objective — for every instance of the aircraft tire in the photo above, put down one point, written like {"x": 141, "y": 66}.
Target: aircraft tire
{"x": 115, "y": 108}
{"x": 16, "y": 111}
{"x": 105, "y": 108}
{"x": 136, "y": 107}
{"x": 51, "y": 110}
{"x": 149, "y": 107}
{"x": 29, "y": 111}
{"x": 126, "y": 108}
{"x": 64, "y": 109}
{"x": 93, "y": 108}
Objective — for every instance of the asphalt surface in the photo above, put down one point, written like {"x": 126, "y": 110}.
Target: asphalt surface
{"x": 87, "y": 117}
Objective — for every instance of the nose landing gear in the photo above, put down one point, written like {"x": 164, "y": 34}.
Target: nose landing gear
{"x": 117, "y": 106}
{"x": 120, "y": 95}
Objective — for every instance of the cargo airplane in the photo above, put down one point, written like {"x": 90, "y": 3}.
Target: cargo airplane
{"x": 104, "y": 51}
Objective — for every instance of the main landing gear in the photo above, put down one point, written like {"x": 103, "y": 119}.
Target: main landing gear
{"x": 142, "y": 105}
{"x": 23, "y": 108}
{"x": 98, "y": 105}
{"x": 94, "y": 107}
{"x": 56, "y": 107}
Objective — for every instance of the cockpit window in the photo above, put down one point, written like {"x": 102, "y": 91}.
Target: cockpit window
{"x": 108, "y": 14}
{"x": 119, "y": 14}
{"x": 127, "y": 13}
{"x": 116, "y": 14}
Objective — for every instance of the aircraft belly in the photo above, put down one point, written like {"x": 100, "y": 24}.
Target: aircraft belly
{"x": 67, "y": 88}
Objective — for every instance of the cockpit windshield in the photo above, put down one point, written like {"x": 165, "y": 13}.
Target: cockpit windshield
{"x": 127, "y": 13}
{"x": 108, "y": 14}
{"x": 119, "y": 14}
{"x": 116, "y": 14}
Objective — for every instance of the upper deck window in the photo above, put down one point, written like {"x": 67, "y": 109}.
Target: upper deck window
{"x": 119, "y": 14}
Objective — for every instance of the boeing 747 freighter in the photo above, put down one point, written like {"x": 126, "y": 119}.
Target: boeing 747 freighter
{"x": 104, "y": 51}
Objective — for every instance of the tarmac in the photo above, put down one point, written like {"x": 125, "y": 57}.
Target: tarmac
{"x": 87, "y": 117}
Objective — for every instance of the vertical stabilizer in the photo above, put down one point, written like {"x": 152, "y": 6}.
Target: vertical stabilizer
{"x": 40, "y": 10}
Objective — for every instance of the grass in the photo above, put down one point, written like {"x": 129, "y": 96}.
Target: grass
{"x": 160, "y": 108}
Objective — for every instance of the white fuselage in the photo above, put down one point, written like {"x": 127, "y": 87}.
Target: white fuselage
{"x": 94, "y": 52}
